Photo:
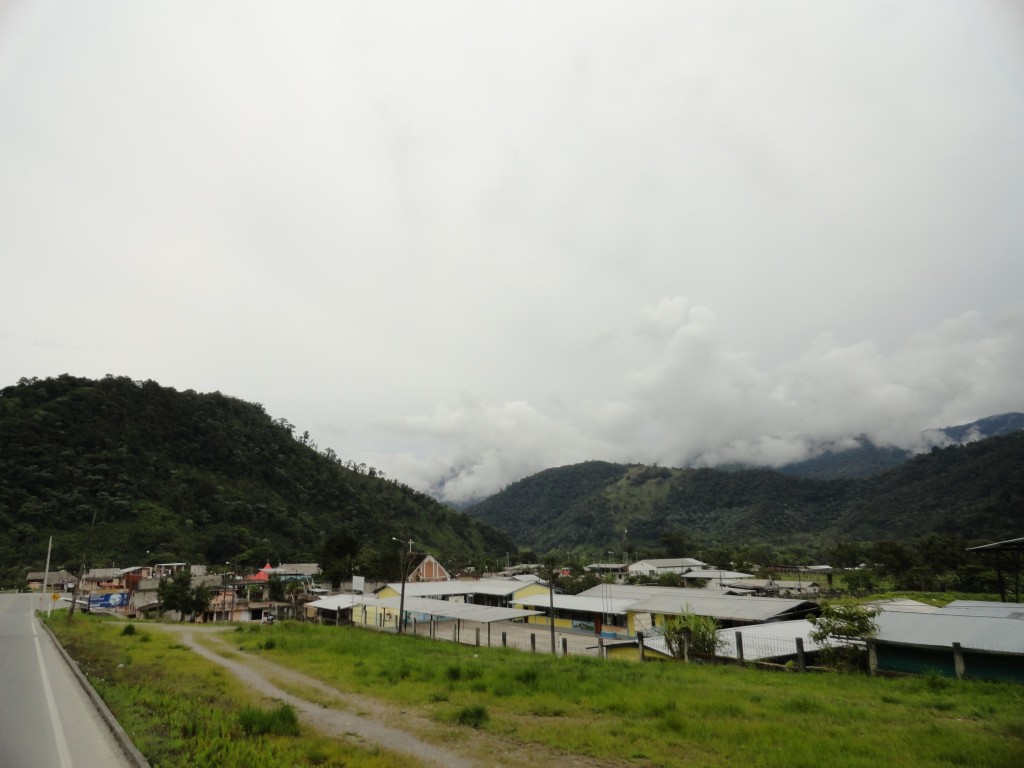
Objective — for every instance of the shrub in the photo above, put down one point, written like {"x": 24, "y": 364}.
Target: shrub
{"x": 841, "y": 630}
{"x": 527, "y": 676}
{"x": 474, "y": 716}
{"x": 129, "y": 630}
{"x": 700, "y": 631}
{"x": 280, "y": 721}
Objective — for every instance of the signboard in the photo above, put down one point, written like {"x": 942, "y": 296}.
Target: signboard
{"x": 358, "y": 583}
{"x": 108, "y": 600}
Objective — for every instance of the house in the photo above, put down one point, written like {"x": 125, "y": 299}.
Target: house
{"x": 657, "y": 566}
{"x": 605, "y": 569}
{"x": 976, "y": 639}
{"x": 307, "y": 572}
{"x": 59, "y": 581}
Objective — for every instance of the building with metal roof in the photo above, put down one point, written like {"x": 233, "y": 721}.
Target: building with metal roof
{"x": 498, "y": 592}
{"x": 385, "y": 613}
{"x": 727, "y": 610}
{"x": 966, "y": 638}
{"x": 659, "y": 565}
{"x": 775, "y": 642}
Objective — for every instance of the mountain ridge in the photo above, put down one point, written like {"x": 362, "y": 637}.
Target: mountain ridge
{"x": 205, "y": 478}
{"x": 974, "y": 489}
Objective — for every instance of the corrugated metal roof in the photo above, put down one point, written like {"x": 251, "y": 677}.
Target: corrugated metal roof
{"x": 972, "y": 623}
{"x": 1008, "y": 544}
{"x": 667, "y": 562}
{"x": 986, "y": 608}
{"x": 580, "y": 603}
{"x": 705, "y": 602}
{"x": 336, "y": 602}
{"x": 425, "y": 605}
{"x": 638, "y": 592}
{"x": 767, "y": 641}
{"x": 944, "y": 629}
{"x": 726, "y": 607}
{"x": 445, "y": 609}
{"x": 710, "y": 575}
{"x": 493, "y": 587}
{"x": 763, "y": 641}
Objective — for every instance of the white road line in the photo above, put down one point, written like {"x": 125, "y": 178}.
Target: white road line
{"x": 58, "y": 728}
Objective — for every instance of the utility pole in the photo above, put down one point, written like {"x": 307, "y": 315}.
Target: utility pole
{"x": 81, "y": 572}
{"x": 46, "y": 576}
{"x": 406, "y": 558}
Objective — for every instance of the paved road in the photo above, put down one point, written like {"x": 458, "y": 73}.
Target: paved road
{"x": 46, "y": 719}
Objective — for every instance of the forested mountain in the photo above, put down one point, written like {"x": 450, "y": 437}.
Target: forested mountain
{"x": 868, "y": 459}
{"x": 974, "y": 490}
{"x": 205, "y": 478}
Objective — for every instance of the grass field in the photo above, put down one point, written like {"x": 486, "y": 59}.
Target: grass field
{"x": 657, "y": 714}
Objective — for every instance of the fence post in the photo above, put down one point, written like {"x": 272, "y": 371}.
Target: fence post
{"x": 533, "y": 642}
{"x": 872, "y": 658}
{"x": 801, "y": 661}
{"x": 600, "y": 648}
{"x": 958, "y": 661}
{"x": 640, "y": 646}
{"x": 565, "y": 646}
{"x": 686, "y": 644}
{"x": 478, "y": 637}
{"x": 455, "y": 633}
{"x": 504, "y": 640}
{"x": 739, "y": 648}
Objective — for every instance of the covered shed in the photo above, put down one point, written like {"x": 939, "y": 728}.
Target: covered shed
{"x": 727, "y": 610}
{"x": 976, "y": 639}
{"x": 1007, "y": 556}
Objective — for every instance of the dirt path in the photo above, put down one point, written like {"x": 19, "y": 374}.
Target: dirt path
{"x": 323, "y": 715}
{"x": 373, "y": 722}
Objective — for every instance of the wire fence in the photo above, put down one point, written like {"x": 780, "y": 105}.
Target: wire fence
{"x": 531, "y": 638}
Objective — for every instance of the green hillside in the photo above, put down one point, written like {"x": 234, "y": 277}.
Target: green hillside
{"x": 975, "y": 491}
{"x": 205, "y": 478}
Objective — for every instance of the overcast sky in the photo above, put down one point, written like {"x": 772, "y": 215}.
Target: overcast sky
{"x": 467, "y": 241}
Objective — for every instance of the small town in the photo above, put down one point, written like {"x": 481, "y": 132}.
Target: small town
{"x": 764, "y": 621}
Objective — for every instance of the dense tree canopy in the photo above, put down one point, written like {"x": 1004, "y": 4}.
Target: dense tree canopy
{"x": 203, "y": 478}
{"x": 975, "y": 491}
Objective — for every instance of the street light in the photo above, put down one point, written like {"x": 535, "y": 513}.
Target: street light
{"x": 401, "y": 600}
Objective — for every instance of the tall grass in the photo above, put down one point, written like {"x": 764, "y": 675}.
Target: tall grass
{"x": 715, "y": 715}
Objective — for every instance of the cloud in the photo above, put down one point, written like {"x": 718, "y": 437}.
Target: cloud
{"x": 454, "y": 241}
{"x": 698, "y": 402}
